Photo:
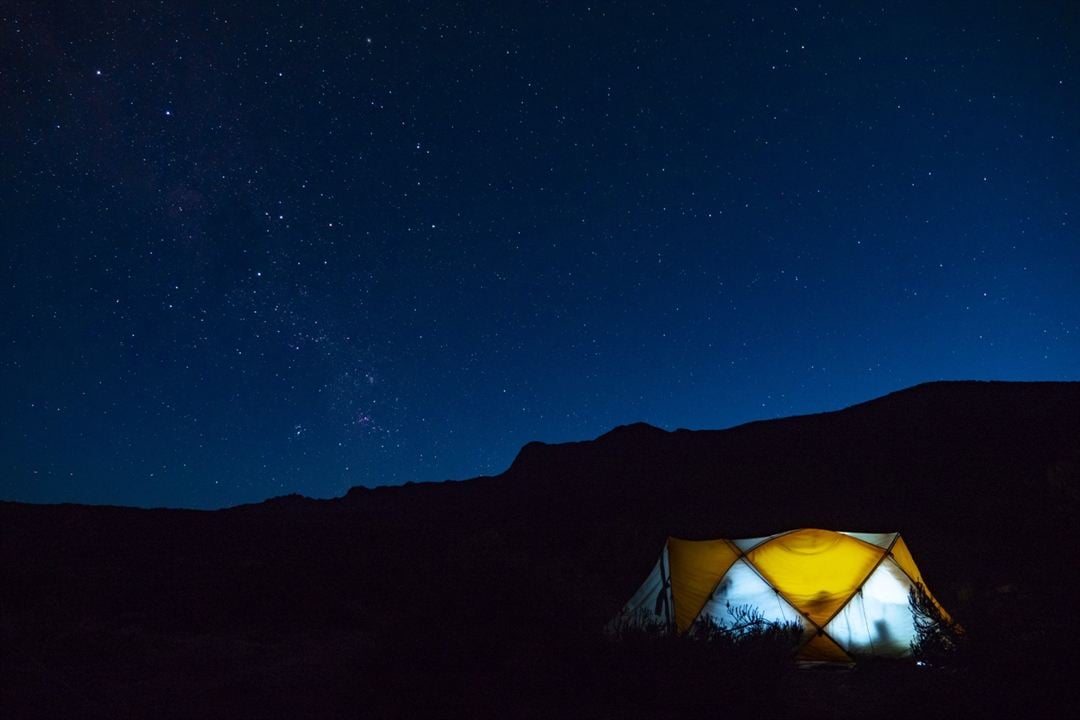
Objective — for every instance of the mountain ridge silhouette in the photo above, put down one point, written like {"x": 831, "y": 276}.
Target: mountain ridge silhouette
{"x": 981, "y": 478}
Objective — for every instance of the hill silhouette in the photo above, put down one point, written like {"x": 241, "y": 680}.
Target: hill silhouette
{"x": 429, "y": 595}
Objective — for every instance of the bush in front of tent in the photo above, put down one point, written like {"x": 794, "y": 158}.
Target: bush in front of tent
{"x": 939, "y": 641}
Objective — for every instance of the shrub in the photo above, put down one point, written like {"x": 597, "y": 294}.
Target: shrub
{"x": 649, "y": 671}
{"x": 939, "y": 640}
{"x": 748, "y": 632}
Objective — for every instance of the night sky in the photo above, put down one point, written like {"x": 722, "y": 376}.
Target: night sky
{"x": 254, "y": 249}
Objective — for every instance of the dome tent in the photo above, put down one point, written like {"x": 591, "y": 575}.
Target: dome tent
{"x": 849, "y": 591}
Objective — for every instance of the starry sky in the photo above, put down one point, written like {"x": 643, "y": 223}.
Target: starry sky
{"x": 252, "y": 249}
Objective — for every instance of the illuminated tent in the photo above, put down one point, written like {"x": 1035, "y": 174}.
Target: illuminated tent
{"x": 848, "y": 590}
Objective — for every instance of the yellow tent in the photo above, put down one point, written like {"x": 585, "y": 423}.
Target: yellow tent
{"x": 848, "y": 590}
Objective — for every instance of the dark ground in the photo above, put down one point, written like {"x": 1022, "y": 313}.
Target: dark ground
{"x": 485, "y": 598}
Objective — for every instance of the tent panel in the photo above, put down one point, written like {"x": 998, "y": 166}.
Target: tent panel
{"x": 816, "y": 570}
{"x": 696, "y": 567}
{"x": 822, "y": 649}
{"x": 849, "y": 628}
{"x": 878, "y": 619}
{"x": 742, "y": 587}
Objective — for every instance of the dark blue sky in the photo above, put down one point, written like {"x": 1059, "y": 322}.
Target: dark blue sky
{"x": 253, "y": 251}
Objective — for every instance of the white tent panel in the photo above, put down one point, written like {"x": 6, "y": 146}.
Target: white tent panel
{"x": 877, "y": 621}
{"x": 850, "y": 628}
{"x": 743, "y": 586}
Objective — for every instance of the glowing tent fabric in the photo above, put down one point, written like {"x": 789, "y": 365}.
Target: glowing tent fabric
{"x": 848, "y": 591}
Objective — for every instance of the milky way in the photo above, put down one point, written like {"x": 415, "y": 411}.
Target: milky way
{"x": 253, "y": 252}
